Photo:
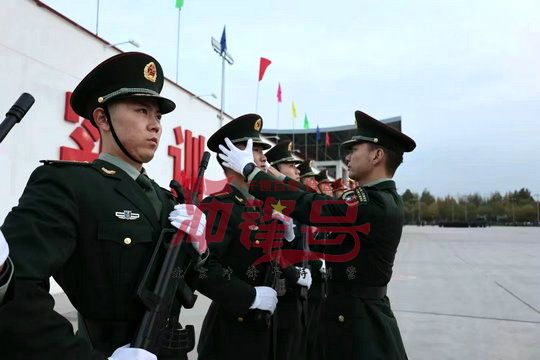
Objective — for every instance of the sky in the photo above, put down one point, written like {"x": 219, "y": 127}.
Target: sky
{"x": 463, "y": 75}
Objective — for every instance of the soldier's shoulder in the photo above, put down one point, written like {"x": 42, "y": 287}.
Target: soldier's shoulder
{"x": 356, "y": 196}
{"x": 65, "y": 163}
{"x": 63, "y": 168}
{"x": 221, "y": 196}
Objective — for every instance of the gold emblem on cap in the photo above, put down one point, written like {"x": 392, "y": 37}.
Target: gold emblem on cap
{"x": 108, "y": 172}
{"x": 258, "y": 125}
{"x": 150, "y": 71}
{"x": 290, "y": 147}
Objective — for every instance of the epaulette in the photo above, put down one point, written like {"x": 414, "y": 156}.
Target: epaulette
{"x": 357, "y": 196}
{"x": 65, "y": 162}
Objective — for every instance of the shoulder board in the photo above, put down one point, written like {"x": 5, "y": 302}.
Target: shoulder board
{"x": 65, "y": 162}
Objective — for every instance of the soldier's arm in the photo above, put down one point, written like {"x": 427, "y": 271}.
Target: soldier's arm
{"x": 215, "y": 282}
{"x": 41, "y": 232}
{"x": 310, "y": 208}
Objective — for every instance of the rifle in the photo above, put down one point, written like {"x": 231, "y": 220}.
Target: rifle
{"x": 160, "y": 331}
{"x": 16, "y": 113}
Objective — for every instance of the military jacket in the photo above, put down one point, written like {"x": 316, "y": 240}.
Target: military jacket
{"x": 92, "y": 228}
{"x": 366, "y": 229}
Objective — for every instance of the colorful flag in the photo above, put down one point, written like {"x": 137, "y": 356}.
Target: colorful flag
{"x": 327, "y": 141}
{"x": 223, "y": 42}
{"x": 179, "y": 3}
{"x": 262, "y": 67}
{"x": 306, "y": 122}
{"x": 293, "y": 110}
{"x": 279, "y": 93}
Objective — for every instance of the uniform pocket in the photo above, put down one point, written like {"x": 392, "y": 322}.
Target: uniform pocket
{"x": 126, "y": 248}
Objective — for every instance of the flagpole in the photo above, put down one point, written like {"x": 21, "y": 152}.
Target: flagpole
{"x": 305, "y": 143}
{"x": 317, "y": 151}
{"x": 178, "y": 46}
{"x": 293, "y": 132}
{"x": 257, "y": 98}
{"x": 97, "y": 18}
{"x": 222, "y": 90}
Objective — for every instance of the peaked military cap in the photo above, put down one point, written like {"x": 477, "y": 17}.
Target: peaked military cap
{"x": 376, "y": 132}
{"x": 282, "y": 153}
{"x": 127, "y": 75}
{"x": 239, "y": 130}
{"x": 307, "y": 169}
{"x": 323, "y": 176}
{"x": 338, "y": 185}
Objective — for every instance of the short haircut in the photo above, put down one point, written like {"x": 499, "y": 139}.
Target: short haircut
{"x": 393, "y": 158}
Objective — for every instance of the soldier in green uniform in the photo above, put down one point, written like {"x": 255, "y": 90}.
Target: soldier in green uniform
{"x": 93, "y": 226}
{"x": 324, "y": 182}
{"x": 359, "y": 320}
{"x": 240, "y": 233}
{"x": 292, "y": 309}
{"x": 308, "y": 173}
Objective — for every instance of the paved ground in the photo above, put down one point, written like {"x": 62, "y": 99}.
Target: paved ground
{"x": 457, "y": 294}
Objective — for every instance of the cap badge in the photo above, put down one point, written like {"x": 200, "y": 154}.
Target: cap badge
{"x": 258, "y": 125}
{"x": 150, "y": 71}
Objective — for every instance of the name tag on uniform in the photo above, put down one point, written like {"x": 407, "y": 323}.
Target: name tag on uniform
{"x": 127, "y": 215}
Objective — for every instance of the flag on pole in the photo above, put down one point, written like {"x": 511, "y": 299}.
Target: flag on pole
{"x": 318, "y": 134}
{"x": 293, "y": 110}
{"x": 223, "y": 42}
{"x": 279, "y": 93}
{"x": 327, "y": 140}
{"x": 179, "y": 3}
{"x": 262, "y": 67}
{"x": 306, "y": 122}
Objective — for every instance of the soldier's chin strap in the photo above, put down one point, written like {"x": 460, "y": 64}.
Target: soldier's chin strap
{"x": 115, "y": 137}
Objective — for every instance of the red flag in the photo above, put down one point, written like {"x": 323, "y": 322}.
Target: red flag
{"x": 262, "y": 67}
{"x": 279, "y": 93}
{"x": 327, "y": 140}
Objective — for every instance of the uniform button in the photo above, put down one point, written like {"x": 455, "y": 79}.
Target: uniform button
{"x": 127, "y": 241}
{"x": 341, "y": 318}
{"x": 240, "y": 319}
{"x": 257, "y": 242}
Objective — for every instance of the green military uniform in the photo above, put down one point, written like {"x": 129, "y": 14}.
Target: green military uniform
{"x": 359, "y": 322}
{"x": 238, "y": 236}
{"x": 93, "y": 228}
{"x": 292, "y": 310}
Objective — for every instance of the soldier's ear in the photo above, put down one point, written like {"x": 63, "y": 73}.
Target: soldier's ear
{"x": 378, "y": 155}
{"x": 100, "y": 118}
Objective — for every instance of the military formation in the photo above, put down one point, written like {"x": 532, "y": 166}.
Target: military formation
{"x": 295, "y": 262}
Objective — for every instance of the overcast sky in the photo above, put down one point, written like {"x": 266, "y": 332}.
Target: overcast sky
{"x": 463, "y": 75}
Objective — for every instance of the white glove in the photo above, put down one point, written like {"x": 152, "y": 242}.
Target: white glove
{"x": 305, "y": 277}
{"x": 191, "y": 220}
{"x": 288, "y": 223}
{"x": 266, "y": 166}
{"x": 234, "y": 158}
{"x": 127, "y": 353}
{"x": 323, "y": 267}
{"x": 4, "y": 249}
{"x": 265, "y": 299}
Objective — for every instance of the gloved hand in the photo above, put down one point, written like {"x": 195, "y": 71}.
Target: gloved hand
{"x": 191, "y": 220}
{"x": 265, "y": 299}
{"x": 4, "y": 250}
{"x": 288, "y": 223}
{"x": 266, "y": 166}
{"x": 305, "y": 277}
{"x": 235, "y": 158}
{"x": 323, "y": 267}
{"x": 127, "y": 353}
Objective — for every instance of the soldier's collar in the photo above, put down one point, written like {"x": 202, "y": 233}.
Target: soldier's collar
{"x": 129, "y": 169}
{"x": 238, "y": 190}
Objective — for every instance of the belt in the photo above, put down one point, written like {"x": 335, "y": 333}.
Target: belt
{"x": 356, "y": 290}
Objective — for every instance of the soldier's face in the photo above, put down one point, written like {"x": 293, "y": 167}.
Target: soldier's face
{"x": 258, "y": 156}
{"x": 288, "y": 169}
{"x": 359, "y": 162}
{"x": 138, "y": 126}
{"x": 326, "y": 188}
{"x": 310, "y": 182}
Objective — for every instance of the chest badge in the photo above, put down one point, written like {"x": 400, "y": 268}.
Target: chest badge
{"x": 127, "y": 215}
{"x": 253, "y": 227}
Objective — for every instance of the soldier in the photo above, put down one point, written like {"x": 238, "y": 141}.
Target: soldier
{"x": 359, "y": 320}
{"x": 338, "y": 188}
{"x": 324, "y": 182}
{"x": 93, "y": 226}
{"x": 308, "y": 173}
{"x": 292, "y": 310}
